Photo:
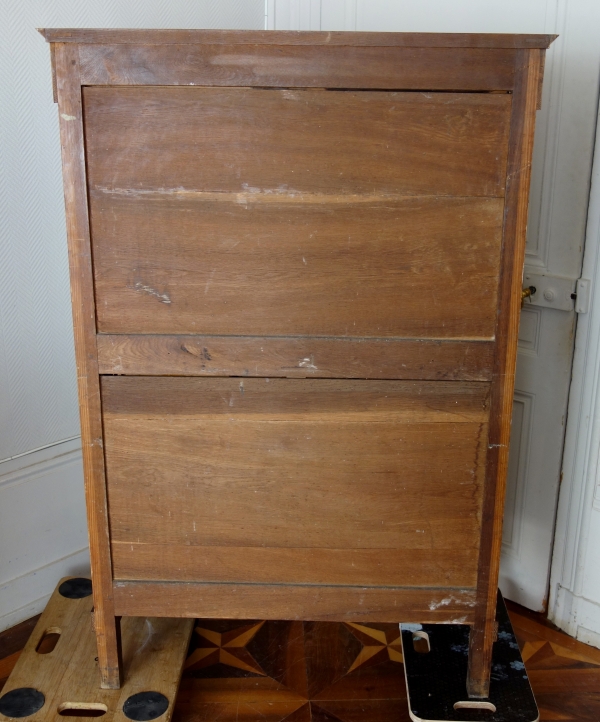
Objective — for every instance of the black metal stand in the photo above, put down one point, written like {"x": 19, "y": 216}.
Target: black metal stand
{"x": 436, "y": 679}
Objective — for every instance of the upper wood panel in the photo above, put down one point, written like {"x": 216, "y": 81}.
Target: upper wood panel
{"x": 249, "y": 37}
{"x": 253, "y": 212}
{"x": 275, "y": 145}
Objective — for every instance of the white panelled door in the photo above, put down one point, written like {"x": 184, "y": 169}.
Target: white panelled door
{"x": 559, "y": 196}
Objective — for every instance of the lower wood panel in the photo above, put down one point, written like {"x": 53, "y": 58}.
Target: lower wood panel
{"x": 296, "y": 481}
{"x": 284, "y": 601}
{"x": 176, "y": 562}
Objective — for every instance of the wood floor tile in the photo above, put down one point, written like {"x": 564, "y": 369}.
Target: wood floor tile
{"x": 6, "y": 667}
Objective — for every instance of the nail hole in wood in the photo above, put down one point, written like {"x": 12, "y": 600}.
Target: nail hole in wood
{"x": 49, "y": 640}
{"x": 473, "y": 704}
{"x": 82, "y": 709}
{"x": 421, "y": 642}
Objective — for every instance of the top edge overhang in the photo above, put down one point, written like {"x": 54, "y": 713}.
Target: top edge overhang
{"x": 87, "y": 36}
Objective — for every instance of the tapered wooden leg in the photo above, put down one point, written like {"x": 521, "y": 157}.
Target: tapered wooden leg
{"x": 481, "y": 641}
{"x": 110, "y": 659}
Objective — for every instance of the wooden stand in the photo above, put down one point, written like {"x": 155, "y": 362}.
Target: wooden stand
{"x": 435, "y": 667}
{"x": 49, "y": 685}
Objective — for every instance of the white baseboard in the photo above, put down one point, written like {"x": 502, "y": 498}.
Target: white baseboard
{"x": 577, "y": 616}
{"x": 43, "y": 533}
{"x": 27, "y": 588}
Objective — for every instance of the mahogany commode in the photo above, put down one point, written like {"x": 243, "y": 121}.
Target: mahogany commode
{"x": 296, "y": 265}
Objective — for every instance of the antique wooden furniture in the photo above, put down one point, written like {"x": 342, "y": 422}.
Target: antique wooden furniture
{"x": 296, "y": 267}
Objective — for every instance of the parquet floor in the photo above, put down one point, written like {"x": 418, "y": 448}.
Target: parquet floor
{"x": 329, "y": 672}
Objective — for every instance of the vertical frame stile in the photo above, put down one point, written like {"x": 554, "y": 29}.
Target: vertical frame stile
{"x": 529, "y": 66}
{"x": 68, "y": 86}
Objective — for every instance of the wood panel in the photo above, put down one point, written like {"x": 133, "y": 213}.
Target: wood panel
{"x": 298, "y": 466}
{"x": 394, "y": 68}
{"x": 400, "y": 401}
{"x": 294, "y": 146}
{"x": 285, "y": 37}
{"x": 281, "y": 601}
{"x": 289, "y": 565}
{"x": 416, "y": 267}
{"x": 251, "y": 236}
{"x": 155, "y": 355}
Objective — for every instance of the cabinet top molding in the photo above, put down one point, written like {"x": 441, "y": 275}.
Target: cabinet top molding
{"x": 277, "y": 37}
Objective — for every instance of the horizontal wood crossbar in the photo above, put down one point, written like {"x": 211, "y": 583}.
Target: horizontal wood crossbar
{"x": 292, "y": 66}
{"x": 244, "y": 37}
{"x": 286, "y": 601}
{"x": 292, "y": 357}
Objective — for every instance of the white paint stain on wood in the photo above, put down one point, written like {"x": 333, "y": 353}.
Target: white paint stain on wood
{"x": 143, "y": 288}
{"x": 251, "y": 194}
{"x": 308, "y": 363}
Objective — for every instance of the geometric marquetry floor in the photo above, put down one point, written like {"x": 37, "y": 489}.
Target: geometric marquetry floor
{"x": 294, "y": 671}
{"x": 330, "y": 672}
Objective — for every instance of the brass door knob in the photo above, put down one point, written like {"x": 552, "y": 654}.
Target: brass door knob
{"x": 527, "y": 293}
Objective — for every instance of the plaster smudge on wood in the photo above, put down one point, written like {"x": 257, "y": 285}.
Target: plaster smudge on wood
{"x": 143, "y": 288}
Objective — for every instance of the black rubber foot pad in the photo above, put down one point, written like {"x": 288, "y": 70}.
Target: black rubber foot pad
{"x": 21, "y": 702}
{"x": 436, "y": 680}
{"x": 145, "y": 706}
{"x": 77, "y": 588}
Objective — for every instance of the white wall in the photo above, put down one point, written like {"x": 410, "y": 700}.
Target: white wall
{"x": 42, "y": 519}
{"x": 575, "y": 580}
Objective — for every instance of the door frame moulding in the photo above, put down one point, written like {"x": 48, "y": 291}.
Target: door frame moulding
{"x": 580, "y": 489}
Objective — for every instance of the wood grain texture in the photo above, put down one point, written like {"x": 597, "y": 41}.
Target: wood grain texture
{"x": 14, "y": 639}
{"x": 246, "y": 231}
{"x": 68, "y": 675}
{"x": 80, "y": 264}
{"x": 156, "y": 355}
{"x": 525, "y": 101}
{"x": 306, "y": 481}
{"x": 245, "y": 37}
{"x": 401, "y": 401}
{"x": 293, "y": 147}
{"x": 296, "y": 601}
{"x": 389, "y": 68}
{"x": 41, "y": 667}
{"x": 289, "y": 565}
{"x": 420, "y": 268}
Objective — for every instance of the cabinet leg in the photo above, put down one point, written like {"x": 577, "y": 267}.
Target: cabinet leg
{"x": 481, "y": 641}
{"x": 110, "y": 660}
